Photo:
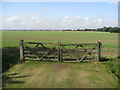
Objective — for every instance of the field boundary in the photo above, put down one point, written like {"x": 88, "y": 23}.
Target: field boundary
{"x": 60, "y": 52}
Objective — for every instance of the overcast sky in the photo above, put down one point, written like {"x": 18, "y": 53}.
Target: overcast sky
{"x": 59, "y": 15}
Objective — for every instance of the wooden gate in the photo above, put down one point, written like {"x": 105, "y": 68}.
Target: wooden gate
{"x": 60, "y": 52}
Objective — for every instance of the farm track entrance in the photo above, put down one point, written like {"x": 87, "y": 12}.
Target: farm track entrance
{"x": 60, "y": 52}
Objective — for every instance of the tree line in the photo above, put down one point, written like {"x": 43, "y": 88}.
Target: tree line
{"x": 104, "y": 29}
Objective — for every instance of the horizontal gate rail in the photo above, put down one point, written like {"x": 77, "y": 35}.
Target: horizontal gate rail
{"x": 60, "y": 52}
{"x": 78, "y": 44}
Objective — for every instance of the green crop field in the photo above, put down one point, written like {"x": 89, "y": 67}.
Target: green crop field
{"x": 109, "y": 40}
{"x": 35, "y": 74}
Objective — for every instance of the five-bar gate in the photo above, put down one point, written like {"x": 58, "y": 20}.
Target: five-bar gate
{"x": 60, "y": 52}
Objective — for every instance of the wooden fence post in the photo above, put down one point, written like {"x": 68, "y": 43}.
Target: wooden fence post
{"x": 99, "y": 50}
{"x": 59, "y": 52}
{"x": 22, "y": 58}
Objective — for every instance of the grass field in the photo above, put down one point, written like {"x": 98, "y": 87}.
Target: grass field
{"x": 109, "y": 40}
{"x": 59, "y": 75}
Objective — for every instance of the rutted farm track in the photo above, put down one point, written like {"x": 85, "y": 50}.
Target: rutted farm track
{"x": 59, "y": 75}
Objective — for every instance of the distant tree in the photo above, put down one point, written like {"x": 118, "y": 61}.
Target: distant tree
{"x": 115, "y": 30}
{"x": 99, "y": 29}
{"x": 85, "y": 29}
{"x": 78, "y": 29}
{"x": 104, "y": 29}
{"x": 67, "y": 30}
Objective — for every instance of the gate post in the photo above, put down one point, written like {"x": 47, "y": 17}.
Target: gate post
{"x": 99, "y": 44}
{"x": 22, "y": 58}
{"x": 59, "y": 52}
